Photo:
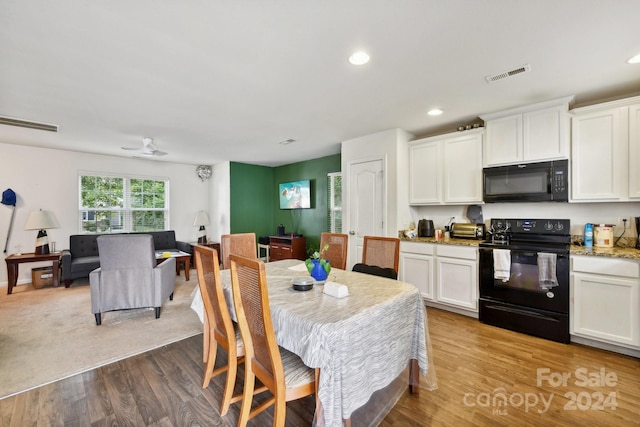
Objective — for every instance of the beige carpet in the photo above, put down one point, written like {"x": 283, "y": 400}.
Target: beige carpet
{"x": 50, "y": 333}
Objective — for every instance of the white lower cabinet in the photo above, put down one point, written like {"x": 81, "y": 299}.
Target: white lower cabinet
{"x": 605, "y": 300}
{"x": 457, "y": 276}
{"x": 416, "y": 267}
{"x": 445, "y": 274}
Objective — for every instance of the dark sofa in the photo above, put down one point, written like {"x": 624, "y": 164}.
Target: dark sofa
{"x": 82, "y": 256}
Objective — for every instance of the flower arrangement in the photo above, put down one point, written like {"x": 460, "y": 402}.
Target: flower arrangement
{"x": 318, "y": 267}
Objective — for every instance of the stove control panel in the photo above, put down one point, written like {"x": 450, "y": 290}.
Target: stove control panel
{"x": 532, "y": 226}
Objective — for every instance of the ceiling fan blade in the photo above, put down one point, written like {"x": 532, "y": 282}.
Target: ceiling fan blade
{"x": 130, "y": 148}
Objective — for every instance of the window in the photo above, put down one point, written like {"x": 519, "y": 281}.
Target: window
{"x": 116, "y": 204}
{"x": 334, "y": 202}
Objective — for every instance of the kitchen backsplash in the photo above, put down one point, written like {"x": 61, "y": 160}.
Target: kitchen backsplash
{"x": 578, "y": 213}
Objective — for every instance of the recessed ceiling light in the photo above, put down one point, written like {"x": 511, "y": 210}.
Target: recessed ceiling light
{"x": 359, "y": 58}
{"x": 634, "y": 59}
{"x": 435, "y": 112}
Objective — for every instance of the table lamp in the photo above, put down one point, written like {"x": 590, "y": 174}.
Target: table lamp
{"x": 41, "y": 220}
{"x": 201, "y": 220}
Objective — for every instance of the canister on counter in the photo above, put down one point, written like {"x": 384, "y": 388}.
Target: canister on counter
{"x": 438, "y": 234}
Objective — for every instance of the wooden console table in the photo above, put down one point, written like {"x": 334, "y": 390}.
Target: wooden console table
{"x": 287, "y": 247}
{"x": 13, "y": 261}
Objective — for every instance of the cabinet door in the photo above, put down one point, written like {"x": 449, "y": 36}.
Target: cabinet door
{"x": 424, "y": 174}
{"x": 504, "y": 141}
{"x": 544, "y": 134}
{"x": 599, "y": 156}
{"x": 634, "y": 151}
{"x": 606, "y": 308}
{"x": 417, "y": 269}
{"x": 457, "y": 282}
{"x": 463, "y": 169}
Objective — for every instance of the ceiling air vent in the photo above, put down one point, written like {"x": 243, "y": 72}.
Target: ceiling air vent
{"x": 495, "y": 77}
{"x": 27, "y": 124}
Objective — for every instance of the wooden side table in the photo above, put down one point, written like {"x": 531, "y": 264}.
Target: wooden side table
{"x": 13, "y": 261}
{"x": 212, "y": 245}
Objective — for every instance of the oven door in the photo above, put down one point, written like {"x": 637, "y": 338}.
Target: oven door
{"x": 523, "y": 287}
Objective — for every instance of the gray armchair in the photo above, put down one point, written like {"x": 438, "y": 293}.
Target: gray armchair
{"x": 128, "y": 276}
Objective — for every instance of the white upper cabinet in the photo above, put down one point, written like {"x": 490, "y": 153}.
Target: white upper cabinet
{"x": 605, "y": 157}
{"x": 446, "y": 169}
{"x": 532, "y": 133}
{"x": 634, "y": 151}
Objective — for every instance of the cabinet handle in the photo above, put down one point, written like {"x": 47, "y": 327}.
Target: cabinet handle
{"x": 352, "y": 233}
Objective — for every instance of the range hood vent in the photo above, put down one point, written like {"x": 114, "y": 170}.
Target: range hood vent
{"x": 495, "y": 77}
{"x": 28, "y": 124}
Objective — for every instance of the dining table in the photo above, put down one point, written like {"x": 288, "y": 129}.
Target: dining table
{"x": 370, "y": 346}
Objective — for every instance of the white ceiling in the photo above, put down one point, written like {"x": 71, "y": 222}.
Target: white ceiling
{"x": 213, "y": 80}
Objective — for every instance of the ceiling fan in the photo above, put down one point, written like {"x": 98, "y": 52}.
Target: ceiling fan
{"x": 148, "y": 148}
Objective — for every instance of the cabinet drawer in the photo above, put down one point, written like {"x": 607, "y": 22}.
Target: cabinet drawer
{"x": 604, "y": 265}
{"x": 453, "y": 251}
{"x": 417, "y": 248}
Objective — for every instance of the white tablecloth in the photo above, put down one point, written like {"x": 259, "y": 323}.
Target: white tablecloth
{"x": 361, "y": 343}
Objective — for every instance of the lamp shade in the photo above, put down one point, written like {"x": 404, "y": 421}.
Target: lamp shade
{"x": 41, "y": 220}
{"x": 202, "y": 218}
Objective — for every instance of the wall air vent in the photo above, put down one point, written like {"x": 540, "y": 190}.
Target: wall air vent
{"x": 495, "y": 77}
{"x": 28, "y": 124}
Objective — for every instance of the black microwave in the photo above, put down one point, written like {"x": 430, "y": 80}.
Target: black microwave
{"x": 527, "y": 182}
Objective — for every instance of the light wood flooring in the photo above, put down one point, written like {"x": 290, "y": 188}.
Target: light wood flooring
{"x": 478, "y": 367}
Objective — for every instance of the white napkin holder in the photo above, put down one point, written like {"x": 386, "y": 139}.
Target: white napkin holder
{"x": 336, "y": 290}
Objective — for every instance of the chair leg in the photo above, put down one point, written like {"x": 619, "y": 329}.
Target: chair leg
{"x": 157, "y": 312}
{"x": 171, "y": 297}
{"x": 229, "y": 385}
{"x": 279, "y": 408}
{"x": 210, "y": 364}
{"x": 98, "y": 319}
{"x": 247, "y": 396}
{"x": 205, "y": 339}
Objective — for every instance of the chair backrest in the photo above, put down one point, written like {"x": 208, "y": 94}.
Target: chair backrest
{"x": 376, "y": 271}
{"x": 336, "y": 254}
{"x": 126, "y": 252}
{"x": 243, "y": 244}
{"x": 251, "y": 302}
{"x": 381, "y": 251}
{"x": 215, "y": 306}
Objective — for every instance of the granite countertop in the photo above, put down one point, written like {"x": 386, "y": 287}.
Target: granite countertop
{"x": 449, "y": 241}
{"x": 576, "y": 249}
{"x": 616, "y": 252}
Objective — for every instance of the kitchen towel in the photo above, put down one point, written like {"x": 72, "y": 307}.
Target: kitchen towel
{"x": 336, "y": 289}
{"x": 502, "y": 264}
{"x": 547, "y": 270}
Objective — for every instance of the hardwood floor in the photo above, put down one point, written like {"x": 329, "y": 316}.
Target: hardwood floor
{"x": 476, "y": 366}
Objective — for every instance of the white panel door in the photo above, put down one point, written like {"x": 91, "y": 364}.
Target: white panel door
{"x": 366, "y": 205}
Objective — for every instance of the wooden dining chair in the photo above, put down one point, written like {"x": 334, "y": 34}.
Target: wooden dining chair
{"x": 243, "y": 244}
{"x": 282, "y": 372}
{"x": 382, "y": 252}
{"x": 336, "y": 253}
{"x": 219, "y": 329}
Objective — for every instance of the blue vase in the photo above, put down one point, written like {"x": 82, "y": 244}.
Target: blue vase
{"x": 318, "y": 272}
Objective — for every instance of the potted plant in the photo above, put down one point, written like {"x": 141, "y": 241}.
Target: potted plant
{"x": 318, "y": 267}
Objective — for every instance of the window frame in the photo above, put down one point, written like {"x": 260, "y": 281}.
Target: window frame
{"x": 126, "y": 212}
{"x": 334, "y": 179}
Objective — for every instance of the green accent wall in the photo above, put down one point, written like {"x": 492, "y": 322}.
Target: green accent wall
{"x": 251, "y": 199}
{"x": 254, "y": 198}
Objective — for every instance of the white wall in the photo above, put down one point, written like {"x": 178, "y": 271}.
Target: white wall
{"x": 220, "y": 201}
{"x": 48, "y": 179}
